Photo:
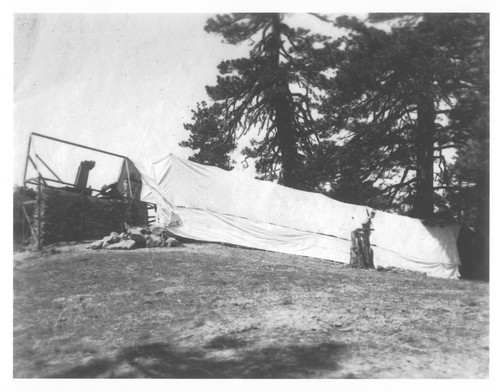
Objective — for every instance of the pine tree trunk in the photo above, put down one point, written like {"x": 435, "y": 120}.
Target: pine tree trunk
{"x": 286, "y": 142}
{"x": 283, "y": 112}
{"x": 424, "y": 205}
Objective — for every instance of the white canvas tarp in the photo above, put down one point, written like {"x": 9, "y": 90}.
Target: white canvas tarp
{"x": 210, "y": 204}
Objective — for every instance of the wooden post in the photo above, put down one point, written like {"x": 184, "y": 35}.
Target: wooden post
{"x": 356, "y": 258}
{"x": 128, "y": 179}
{"x": 367, "y": 250}
{"x": 39, "y": 234}
{"x": 32, "y": 228}
{"x": 27, "y": 159}
{"x": 82, "y": 216}
{"x": 25, "y": 213}
{"x": 361, "y": 252}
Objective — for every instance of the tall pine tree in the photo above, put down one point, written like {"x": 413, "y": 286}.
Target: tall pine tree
{"x": 391, "y": 95}
{"x": 272, "y": 90}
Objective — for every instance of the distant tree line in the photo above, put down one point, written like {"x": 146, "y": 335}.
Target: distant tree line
{"x": 394, "y": 114}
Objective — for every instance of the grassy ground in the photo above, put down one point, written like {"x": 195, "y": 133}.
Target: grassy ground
{"x": 210, "y": 311}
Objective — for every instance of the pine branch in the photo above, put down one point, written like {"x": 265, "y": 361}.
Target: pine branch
{"x": 322, "y": 17}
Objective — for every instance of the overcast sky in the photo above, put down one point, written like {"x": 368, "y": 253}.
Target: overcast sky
{"x": 125, "y": 83}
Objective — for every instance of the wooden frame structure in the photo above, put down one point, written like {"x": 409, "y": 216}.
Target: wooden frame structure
{"x": 40, "y": 180}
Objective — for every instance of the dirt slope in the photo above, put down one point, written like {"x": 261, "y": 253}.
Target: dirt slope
{"x": 210, "y": 311}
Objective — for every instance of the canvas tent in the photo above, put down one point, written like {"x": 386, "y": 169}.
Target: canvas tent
{"x": 210, "y": 204}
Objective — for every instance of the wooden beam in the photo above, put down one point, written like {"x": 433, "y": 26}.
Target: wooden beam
{"x": 27, "y": 160}
{"x": 39, "y": 199}
{"x": 33, "y": 231}
{"x": 40, "y": 178}
{"x": 128, "y": 179}
{"x": 47, "y": 166}
{"x": 78, "y": 145}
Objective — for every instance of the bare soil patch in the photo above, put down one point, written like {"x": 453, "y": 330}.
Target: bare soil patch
{"x": 212, "y": 311}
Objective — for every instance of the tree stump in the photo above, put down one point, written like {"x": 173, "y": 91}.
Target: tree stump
{"x": 361, "y": 255}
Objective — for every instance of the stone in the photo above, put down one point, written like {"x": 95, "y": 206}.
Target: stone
{"x": 155, "y": 241}
{"x": 123, "y": 245}
{"x": 134, "y": 230}
{"x": 158, "y": 230}
{"x": 138, "y": 230}
{"x": 113, "y": 238}
{"x": 139, "y": 240}
{"x": 172, "y": 242}
{"x": 145, "y": 231}
{"x": 96, "y": 245}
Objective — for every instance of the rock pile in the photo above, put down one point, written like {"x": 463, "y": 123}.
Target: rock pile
{"x": 137, "y": 237}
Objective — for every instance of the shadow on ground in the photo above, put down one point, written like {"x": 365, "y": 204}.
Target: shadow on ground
{"x": 223, "y": 357}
